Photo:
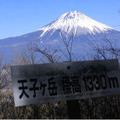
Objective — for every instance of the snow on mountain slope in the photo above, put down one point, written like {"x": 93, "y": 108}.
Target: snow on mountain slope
{"x": 82, "y": 28}
{"x": 77, "y": 24}
{"x": 72, "y": 21}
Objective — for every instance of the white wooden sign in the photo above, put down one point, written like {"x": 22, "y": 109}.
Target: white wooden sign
{"x": 43, "y": 83}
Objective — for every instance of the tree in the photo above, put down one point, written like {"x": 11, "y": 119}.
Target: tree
{"x": 24, "y": 56}
{"x": 68, "y": 43}
{"x": 49, "y": 55}
{"x": 106, "y": 51}
{"x": 4, "y": 73}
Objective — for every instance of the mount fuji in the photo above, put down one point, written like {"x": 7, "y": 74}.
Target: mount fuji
{"x": 83, "y": 30}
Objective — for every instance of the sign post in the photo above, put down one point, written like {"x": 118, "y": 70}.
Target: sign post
{"x": 44, "y": 83}
{"x": 73, "y": 109}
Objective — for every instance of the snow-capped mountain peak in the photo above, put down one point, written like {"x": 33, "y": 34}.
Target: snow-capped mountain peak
{"x": 83, "y": 29}
{"x": 77, "y": 23}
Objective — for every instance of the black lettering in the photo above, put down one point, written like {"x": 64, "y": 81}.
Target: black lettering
{"x": 103, "y": 81}
{"x": 34, "y": 88}
{"x": 97, "y": 82}
{"x": 23, "y": 88}
{"x": 85, "y": 82}
{"x": 113, "y": 82}
{"x": 43, "y": 86}
{"x": 90, "y": 83}
{"x": 66, "y": 85}
{"x": 75, "y": 84}
{"x": 52, "y": 86}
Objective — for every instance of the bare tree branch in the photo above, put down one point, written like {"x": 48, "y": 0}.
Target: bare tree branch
{"x": 49, "y": 53}
{"x": 106, "y": 51}
{"x": 68, "y": 43}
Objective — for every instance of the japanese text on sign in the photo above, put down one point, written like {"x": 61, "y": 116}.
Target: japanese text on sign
{"x": 33, "y": 88}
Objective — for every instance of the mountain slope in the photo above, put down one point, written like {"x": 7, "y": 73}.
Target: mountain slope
{"x": 76, "y": 25}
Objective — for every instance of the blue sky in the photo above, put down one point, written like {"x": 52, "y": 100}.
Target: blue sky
{"x": 18, "y": 17}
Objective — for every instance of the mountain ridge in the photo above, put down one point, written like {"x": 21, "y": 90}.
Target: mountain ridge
{"x": 83, "y": 28}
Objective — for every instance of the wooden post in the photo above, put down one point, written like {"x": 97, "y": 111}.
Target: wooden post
{"x": 73, "y": 109}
